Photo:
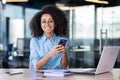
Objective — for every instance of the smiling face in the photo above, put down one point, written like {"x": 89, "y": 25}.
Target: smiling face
{"x": 47, "y": 24}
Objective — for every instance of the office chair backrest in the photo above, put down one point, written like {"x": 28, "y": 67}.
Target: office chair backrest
{"x": 23, "y": 44}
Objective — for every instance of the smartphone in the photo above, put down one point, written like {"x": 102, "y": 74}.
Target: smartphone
{"x": 62, "y": 42}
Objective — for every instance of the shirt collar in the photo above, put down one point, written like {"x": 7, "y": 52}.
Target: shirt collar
{"x": 44, "y": 38}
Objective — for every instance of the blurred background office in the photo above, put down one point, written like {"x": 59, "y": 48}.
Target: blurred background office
{"x": 93, "y": 24}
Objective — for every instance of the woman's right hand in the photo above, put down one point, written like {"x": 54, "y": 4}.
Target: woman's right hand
{"x": 56, "y": 49}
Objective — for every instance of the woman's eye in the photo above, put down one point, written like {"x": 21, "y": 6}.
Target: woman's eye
{"x": 43, "y": 21}
{"x": 51, "y": 21}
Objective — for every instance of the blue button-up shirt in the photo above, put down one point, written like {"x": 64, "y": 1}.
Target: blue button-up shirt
{"x": 39, "y": 47}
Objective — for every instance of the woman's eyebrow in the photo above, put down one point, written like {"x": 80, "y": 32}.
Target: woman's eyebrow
{"x": 48, "y": 19}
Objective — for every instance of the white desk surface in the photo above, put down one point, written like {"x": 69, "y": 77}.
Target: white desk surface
{"x": 31, "y": 75}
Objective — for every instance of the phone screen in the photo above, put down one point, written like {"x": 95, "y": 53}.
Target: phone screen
{"x": 62, "y": 42}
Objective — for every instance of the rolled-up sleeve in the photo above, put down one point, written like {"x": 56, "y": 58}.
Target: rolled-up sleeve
{"x": 34, "y": 56}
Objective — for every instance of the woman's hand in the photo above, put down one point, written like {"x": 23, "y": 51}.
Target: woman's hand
{"x": 57, "y": 49}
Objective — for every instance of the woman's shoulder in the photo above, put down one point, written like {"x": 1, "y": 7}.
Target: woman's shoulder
{"x": 36, "y": 39}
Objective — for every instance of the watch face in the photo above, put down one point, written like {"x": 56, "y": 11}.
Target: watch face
{"x": 62, "y": 42}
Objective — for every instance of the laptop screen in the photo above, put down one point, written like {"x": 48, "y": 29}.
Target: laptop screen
{"x": 107, "y": 59}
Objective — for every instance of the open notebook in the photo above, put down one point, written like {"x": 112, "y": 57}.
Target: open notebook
{"x": 106, "y": 62}
{"x": 55, "y": 72}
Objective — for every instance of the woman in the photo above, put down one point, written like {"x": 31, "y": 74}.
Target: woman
{"x": 47, "y": 27}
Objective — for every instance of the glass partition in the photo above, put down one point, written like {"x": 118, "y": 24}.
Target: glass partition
{"x": 108, "y": 27}
{"x": 29, "y": 13}
{"x": 82, "y": 36}
{"x": 90, "y": 29}
{"x": 0, "y": 22}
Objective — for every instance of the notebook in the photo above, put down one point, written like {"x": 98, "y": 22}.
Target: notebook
{"x": 105, "y": 64}
{"x": 55, "y": 72}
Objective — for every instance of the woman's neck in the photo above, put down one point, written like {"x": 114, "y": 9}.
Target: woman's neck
{"x": 49, "y": 35}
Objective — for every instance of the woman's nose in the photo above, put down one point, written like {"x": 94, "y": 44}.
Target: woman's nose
{"x": 47, "y": 22}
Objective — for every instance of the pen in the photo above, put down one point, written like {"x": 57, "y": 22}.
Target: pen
{"x": 14, "y": 73}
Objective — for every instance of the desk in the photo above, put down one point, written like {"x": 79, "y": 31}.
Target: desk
{"x": 31, "y": 75}
{"x": 79, "y": 50}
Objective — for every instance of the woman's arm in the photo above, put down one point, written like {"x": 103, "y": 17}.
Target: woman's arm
{"x": 44, "y": 60}
{"x": 64, "y": 61}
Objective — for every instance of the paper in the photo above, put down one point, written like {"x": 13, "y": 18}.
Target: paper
{"x": 56, "y": 74}
{"x": 54, "y": 70}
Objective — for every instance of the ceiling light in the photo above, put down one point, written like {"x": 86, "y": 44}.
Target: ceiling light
{"x": 4, "y": 1}
{"x": 97, "y": 1}
{"x": 16, "y": 0}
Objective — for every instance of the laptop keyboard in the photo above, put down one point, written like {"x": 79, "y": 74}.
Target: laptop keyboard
{"x": 93, "y": 70}
{"x": 84, "y": 71}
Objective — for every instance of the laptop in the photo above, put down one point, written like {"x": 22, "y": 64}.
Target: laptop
{"x": 105, "y": 64}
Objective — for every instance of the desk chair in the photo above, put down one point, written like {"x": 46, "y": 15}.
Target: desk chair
{"x": 23, "y": 51}
{"x": 11, "y": 57}
{"x": 6, "y": 54}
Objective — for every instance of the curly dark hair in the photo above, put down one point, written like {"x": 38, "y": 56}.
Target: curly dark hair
{"x": 58, "y": 16}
